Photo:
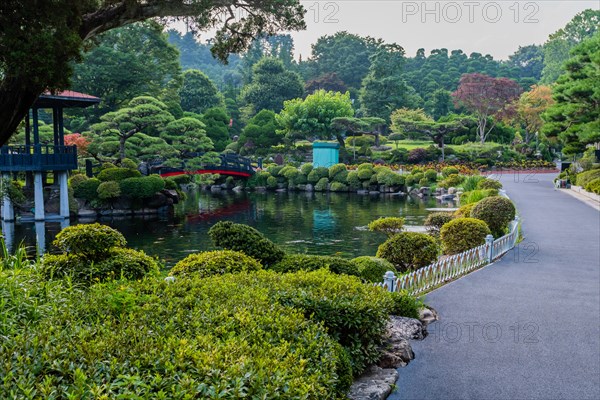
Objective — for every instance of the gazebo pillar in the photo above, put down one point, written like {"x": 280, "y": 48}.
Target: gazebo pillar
{"x": 8, "y": 211}
{"x": 38, "y": 193}
{"x": 64, "y": 193}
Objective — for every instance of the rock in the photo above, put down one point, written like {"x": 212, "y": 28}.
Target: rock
{"x": 86, "y": 213}
{"x": 397, "y": 354}
{"x": 427, "y": 315}
{"x": 420, "y": 195}
{"x": 362, "y": 192}
{"x": 260, "y": 189}
{"x": 120, "y": 211}
{"x": 122, "y": 203}
{"x": 375, "y": 384}
{"x": 397, "y": 351}
{"x": 451, "y": 190}
{"x": 374, "y": 192}
{"x": 281, "y": 190}
{"x": 238, "y": 189}
{"x": 413, "y": 192}
{"x": 425, "y": 190}
{"x": 400, "y": 328}
{"x": 171, "y": 194}
{"x": 309, "y": 187}
{"x": 215, "y": 189}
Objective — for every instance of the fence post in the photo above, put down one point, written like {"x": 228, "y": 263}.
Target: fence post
{"x": 489, "y": 241}
{"x": 389, "y": 279}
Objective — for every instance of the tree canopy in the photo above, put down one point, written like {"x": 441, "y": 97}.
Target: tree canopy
{"x": 198, "y": 93}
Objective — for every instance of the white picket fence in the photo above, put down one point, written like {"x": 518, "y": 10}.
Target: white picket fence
{"x": 452, "y": 267}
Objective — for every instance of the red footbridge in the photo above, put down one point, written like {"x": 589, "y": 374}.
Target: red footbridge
{"x": 230, "y": 165}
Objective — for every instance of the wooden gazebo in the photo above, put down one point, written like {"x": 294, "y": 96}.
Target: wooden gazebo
{"x": 38, "y": 158}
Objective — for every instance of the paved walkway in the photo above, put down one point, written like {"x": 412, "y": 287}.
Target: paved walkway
{"x": 528, "y": 326}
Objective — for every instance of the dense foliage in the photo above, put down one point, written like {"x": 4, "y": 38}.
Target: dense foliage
{"x": 462, "y": 234}
{"x": 496, "y": 212}
{"x": 409, "y": 251}
{"x": 372, "y": 269}
{"x": 306, "y": 262}
{"x": 215, "y": 263}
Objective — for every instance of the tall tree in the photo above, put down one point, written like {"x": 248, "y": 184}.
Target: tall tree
{"x": 560, "y": 43}
{"x": 311, "y": 117}
{"x": 40, "y": 57}
{"x": 217, "y": 126}
{"x": 198, "y": 93}
{"x": 574, "y": 118}
{"x": 141, "y": 115}
{"x": 529, "y": 60}
{"x": 485, "y": 97}
{"x": 151, "y": 62}
{"x": 529, "y": 109}
{"x": 261, "y": 132}
{"x": 271, "y": 85}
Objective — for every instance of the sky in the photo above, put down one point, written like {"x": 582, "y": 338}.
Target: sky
{"x": 488, "y": 27}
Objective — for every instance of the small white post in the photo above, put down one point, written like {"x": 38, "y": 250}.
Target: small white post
{"x": 489, "y": 240}
{"x": 8, "y": 211}
{"x": 389, "y": 280}
{"x": 38, "y": 190}
{"x": 64, "y": 194}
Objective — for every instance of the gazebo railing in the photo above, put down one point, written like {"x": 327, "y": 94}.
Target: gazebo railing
{"x": 38, "y": 157}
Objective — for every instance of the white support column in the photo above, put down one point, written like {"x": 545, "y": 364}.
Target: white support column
{"x": 40, "y": 237}
{"x": 8, "y": 232}
{"x": 8, "y": 211}
{"x": 64, "y": 194}
{"x": 38, "y": 190}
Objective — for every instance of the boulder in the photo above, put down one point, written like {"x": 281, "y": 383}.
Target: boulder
{"x": 375, "y": 384}
{"x": 215, "y": 189}
{"x": 425, "y": 190}
{"x": 362, "y": 192}
{"x": 309, "y": 187}
{"x": 260, "y": 189}
{"x": 238, "y": 189}
{"x": 281, "y": 190}
{"x": 403, "y": 328}
{"x": 427, "y": 315}
{"x": 451, "y": 190}
{"x": 171, "y": 194}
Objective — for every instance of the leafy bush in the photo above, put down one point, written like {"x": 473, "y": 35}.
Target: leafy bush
{"x": 489, "y": 184}
{"x": 388, "y": 225}
{"x": 365, "y": 171}
{"x": 405, "y": 305}
{"x": 306, "y": 262}
{"x": 593, "y": 186}
{"x": 129, "y": 164}
{"x": 451, "y": 181}
{"x": 372, "y": 269}
{"x": 143, "y": 187}
{"x": 246, "y": 239}
{"x": 583, "y": 178}
{"x": 274, "y": 170}
{"x": 470, "y": 182}
{"x": 87, "y": 189}
{"x": 409, "y": 250}
{"x": 189, "y": 339}
{"x": 417, "y": 155}
{"x": 108, "y": 190}
{"x": 353, "y": 180}
{"x": 170, "y": 184}
{"x": 462, "y": 234}
{"x": 317, "y": 174}
{"x": 447, "y": 171}
{"x": 118, "y": 174}
{"x": 436, "y": 220}
{"x": 338, "y": 187}
{"x": 182, "y": 179}
{"x": 77, "y": 180}
{"x": 474, "y": 196}
{"x": 91, "y": 241}
{"x": 272, "y": 182}
{"x": 464, "y": 211}
{"x": 321, "y": 186}
{"x": 431, "y": 175}
{"x": 215, "y": 263}
{"x": 423, "y": 182}
{"x": 496, "y": 212}
{"x": 336, "y": 169}
{"x": 387, "y": 177}
{"x": 306, "y": 168}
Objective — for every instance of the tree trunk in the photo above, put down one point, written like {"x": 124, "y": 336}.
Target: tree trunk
{"x": 341, "y": 141}
{"x": 122, "y": 140}
{"x": 15, "y": 102}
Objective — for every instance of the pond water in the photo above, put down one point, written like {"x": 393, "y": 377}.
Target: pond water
{"x": 312, "y": 223}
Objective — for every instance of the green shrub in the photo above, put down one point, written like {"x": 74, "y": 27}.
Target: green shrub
{"x": 489, "y": 184}
{"x": 464, "y": 211}
{"x": 274, "y": 170}
{"x": 405, "y": 305}
{"x": 217, "y": 262}
{"x": 583, "y": 178}
{"x": 336, "y": 169}
{"x": 387, "y": 177}
{"x": 194, "y": 338}
{"x": 272, "y": 182}
{"x": 372, "y": 269}
{"x": 476, "y": 195}
{"x": 87, "y": 189}
{"x": 306, "y": 168}
{"x": 365, "y": 171}
{"x": 423, "y": 182}
{"x": 447, "y": 171}
{"x": 418, "y": 176}
{"x": 306, "y": 262}
{"x": 170, "y": 184}
{"x": 321, "y": 186}
{"x": 338, "y": 187}
{"x": 451, "y": 181}
{"x": 144, "y": 187}
{"x": 118, "y": 264}
{"x": 431, "y": 175}
{"x": 470, "y": 182}
{"x": 436, "y": 220}
{"x": 354, "y": 180}
{"x": 388, "y": 225}
{"x": 462, "y": 234}
{"x": 91, "y": 241}
{"x": 77, "y": 180}
{"x": 118, "y": 174}
{"x": 317, "y": 174}
{"x": 409, "y": 250}
{"x": 496, "y": 212}
{"x": 593, "y": 186}
{"x": 416, "y": 170}
{"x": 129, "y": 164}
{"x": 183, "y": 179}
{"x": 244, "y": 238}
{"x": 108, "y": 190}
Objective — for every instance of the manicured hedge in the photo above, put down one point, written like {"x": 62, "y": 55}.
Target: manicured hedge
{"x": 144, "y": 187}
{"x": 215, "y": 263}
{"x": 118, "y": 174}
{"x": 496, "y": 212}
{"x": 593, "y": 186}
{"x": 409, "y": 250}
{"x": 462, "y": 234}
{"x": 372, "y": 269}
{"x": 306, "y": 262}
{"x": 583, "y": 178}
{"x": 434, "y": 222}
{"x": 87, "y": 189}
{"x": 92, "y": 241}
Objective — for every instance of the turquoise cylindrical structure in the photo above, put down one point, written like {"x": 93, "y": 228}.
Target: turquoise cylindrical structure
{"x": 325, "y": 154}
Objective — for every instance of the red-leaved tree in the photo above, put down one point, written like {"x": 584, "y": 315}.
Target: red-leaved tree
{"x": 76, "y": 139}
{"x": 485, "y": 97}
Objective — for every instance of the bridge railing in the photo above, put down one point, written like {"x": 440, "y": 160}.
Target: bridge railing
{"x": 228, "y": 162}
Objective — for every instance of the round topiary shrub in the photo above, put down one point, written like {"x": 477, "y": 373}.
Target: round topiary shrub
{"x": 496, "y": 212}
{"x": 215, "y": 263}
{"x": 462, "y": 234}
{"x": 409, "y": 250}
{"x": 451, "y": 181}
{"x": 87, "y": 189}
{"x": 244, "y": 238}
{"x": 306, "y": 168}
{"x": 464, "y": 211}
{"x": 321, "y": 186}
{"x": 108, "y": 190}
{"x": 436, "y": 220}
{"x": 447, "y": 171}
{"x": 338, "y": 187}
{"x": 354, "y": 180}
{"x": 76, "y": 180}
{"x": 306, "y": 262}
{"x": 489, "y": 184}
{"x": 118, "y": 174}
{"x": 317, "y": 174}
{"x": 272, "y": 182}
{"x": 92, "y": 241}
{"x": 388, "y": 225}
{"x": 431, "y": 175}
{"x": 142, "y": 187}
{"x": 372, "y": 269}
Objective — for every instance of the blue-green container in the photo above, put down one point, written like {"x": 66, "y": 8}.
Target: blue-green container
{"x": 325, "y": 154}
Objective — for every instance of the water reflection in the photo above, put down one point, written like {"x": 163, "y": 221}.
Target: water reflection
{"x": 313, "y": 223}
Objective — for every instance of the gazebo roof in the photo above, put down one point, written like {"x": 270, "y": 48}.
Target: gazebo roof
{"x": 65, "y": 99}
